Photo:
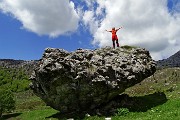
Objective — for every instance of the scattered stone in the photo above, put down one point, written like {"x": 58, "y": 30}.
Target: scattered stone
{"x": 166, "y": 84}
{"x": 70, "y": 119}
{"x": 107, "y": 118}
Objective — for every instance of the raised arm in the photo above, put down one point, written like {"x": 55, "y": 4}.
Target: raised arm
{"x": 108, "y": 30}
{"x": 118, "y": 28}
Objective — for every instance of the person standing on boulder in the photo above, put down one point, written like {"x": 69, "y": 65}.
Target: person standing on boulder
{"x": 114, "y": 36}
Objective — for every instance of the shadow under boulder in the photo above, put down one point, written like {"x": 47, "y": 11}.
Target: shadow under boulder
{"x": 133, "y": 104}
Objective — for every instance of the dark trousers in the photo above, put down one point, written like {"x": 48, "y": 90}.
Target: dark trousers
{"x": 117, "y": 43}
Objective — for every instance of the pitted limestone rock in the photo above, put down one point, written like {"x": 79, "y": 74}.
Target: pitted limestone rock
{"x": 81, "y": 81}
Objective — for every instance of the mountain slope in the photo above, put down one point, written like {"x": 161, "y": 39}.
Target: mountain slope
{"x": 14, "y": 74}
{"x": 27, "y": 66}
{"x": 172, "y": 61}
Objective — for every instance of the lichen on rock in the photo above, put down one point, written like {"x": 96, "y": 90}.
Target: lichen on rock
{"x": 80, "y": 81}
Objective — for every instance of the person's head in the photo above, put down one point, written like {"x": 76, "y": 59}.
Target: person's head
{"x": 113, "y": 28}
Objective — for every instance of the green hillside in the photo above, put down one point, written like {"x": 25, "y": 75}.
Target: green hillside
{"x": 164, "y": 80}
{"x": 155, "y": 98}
{"x": 15, "y": 80}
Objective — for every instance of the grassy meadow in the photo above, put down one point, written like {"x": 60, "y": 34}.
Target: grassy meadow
{"x": 155, "y": 98}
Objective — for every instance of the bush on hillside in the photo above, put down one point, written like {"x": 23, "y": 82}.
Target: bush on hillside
{"x": 16, "y": 80}
{"x": 7, "y": 102}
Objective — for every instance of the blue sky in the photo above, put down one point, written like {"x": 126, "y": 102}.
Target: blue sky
{"x": 17, "y": 43}
{"x": 26, "y": 30}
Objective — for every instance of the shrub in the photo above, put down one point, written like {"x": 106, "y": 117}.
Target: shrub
{"x": 15, "y": 80}
{"x": 7, "y": 102}
{"x": 122, "y": 112}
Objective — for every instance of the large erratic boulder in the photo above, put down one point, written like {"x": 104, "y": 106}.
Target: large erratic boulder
{"x": 80, "y": 81}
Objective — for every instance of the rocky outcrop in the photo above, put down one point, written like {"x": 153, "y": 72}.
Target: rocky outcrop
{"x": 27, "y": 66}
{"x": 80, "y": 81}
{"x": 172, "y": 61}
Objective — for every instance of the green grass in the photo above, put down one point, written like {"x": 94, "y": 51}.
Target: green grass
{"x": 26, "y": 101}
{"x": 155, "y": 98}
{"x": 168, "y": 111}
{"x": 41, "y": 114}
{"x": 165, "y": 80}
{"x": 37, "y": 114}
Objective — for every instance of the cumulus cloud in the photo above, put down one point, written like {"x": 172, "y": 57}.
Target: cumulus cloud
{"x": 44, "y": 17}
{"x": 146, "y": 24}
{"x": 90, "y": 21}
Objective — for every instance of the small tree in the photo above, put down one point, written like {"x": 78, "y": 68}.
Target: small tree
{"x": 7, "y": 102}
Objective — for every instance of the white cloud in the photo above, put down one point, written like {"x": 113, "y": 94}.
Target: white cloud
{"x": 44, "y": 17}
{"x": 145, "y": 23}
{"x": 90, "y": 21}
